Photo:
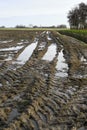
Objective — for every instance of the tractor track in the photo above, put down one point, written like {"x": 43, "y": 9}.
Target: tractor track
{"x": 36, "y": 95}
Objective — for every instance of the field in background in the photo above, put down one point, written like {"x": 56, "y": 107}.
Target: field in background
{"x": 33, "y": 29}
{"x": 79, "y": 34}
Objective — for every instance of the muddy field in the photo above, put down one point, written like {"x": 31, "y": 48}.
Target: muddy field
{"x": 43, "y": 81}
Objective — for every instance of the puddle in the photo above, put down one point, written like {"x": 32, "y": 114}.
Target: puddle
{"x": 6, "y": 41}
{"x": 20, "y": 43}
{"x": 81, "y": 73}
{"x": 1, "y": 85}
{"x": 48, "y": 37}
{"x": 47, "y": 32}
{"x": 26, "y": 54}
{"x": 42, "y": 46}
{"x": 61, "y": 66}
{"x": 83, "y": 59}
{"x": 9, "y": 58}
{"x": 12, "y": 48}
{"x": 43, "y": 33}
{"x": 51, "y": 53}
{"x": 80, "y": 76}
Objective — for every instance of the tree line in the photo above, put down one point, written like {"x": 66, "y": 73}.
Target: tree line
{"x": 77, "y": 17}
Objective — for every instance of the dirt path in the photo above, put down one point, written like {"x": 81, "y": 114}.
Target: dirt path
{"x": 47, "y": 88}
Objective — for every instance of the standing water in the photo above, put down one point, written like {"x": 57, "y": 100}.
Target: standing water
{"x": 48, "y": 37}
{"x": 26, "y": 54}
{"x": 12, "y": 48}
{"x": 61, "y": 66}
{"x": 51, "y": 53}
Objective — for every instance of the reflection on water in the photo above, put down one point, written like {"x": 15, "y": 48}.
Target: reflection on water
{"x": 42, "y": 46}
{"x": 11, "y": 48}
{"x": 6, "y": 41}
{"x": 61, "y": 66}
{"x": 26, "y": 54}
{"x": 20, "y": 43}
{"x": 83, "y": 59}
{"x": 48, "y": 37}
{"x": 51, "y": 53}
{"x": 1, "y": 85}
{"x": 9, "y": 58}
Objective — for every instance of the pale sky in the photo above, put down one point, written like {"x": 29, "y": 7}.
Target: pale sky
{"x": 35, "y": 12}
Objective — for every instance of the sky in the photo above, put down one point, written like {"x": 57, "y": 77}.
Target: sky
{"x": 35, "y": 12}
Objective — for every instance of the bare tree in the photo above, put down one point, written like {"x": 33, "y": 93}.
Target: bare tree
{"x": 83, "y": 15}
{"x": 73, "y": 18}
{"x": 77, "y": 17}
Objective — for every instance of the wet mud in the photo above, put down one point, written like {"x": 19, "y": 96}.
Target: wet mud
{"x": 43, "y": 81}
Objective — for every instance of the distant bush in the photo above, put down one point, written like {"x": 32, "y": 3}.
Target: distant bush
{"x": 35, "y": 26}
{"x": 2, "y": 27}
{"x": 20, "y": 26}
{"x": 62, "y": 26}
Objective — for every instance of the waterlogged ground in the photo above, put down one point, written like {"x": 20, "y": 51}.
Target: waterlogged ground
{"x": 43, "y": 81}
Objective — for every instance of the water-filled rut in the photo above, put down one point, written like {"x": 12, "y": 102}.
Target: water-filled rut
{"x": 26, "y": 54}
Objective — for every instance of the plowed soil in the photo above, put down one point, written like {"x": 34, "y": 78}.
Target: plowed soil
{"x": 43, "y": 81}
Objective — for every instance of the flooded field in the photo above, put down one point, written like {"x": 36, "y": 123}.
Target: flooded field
{"x": 43, "y": 81}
